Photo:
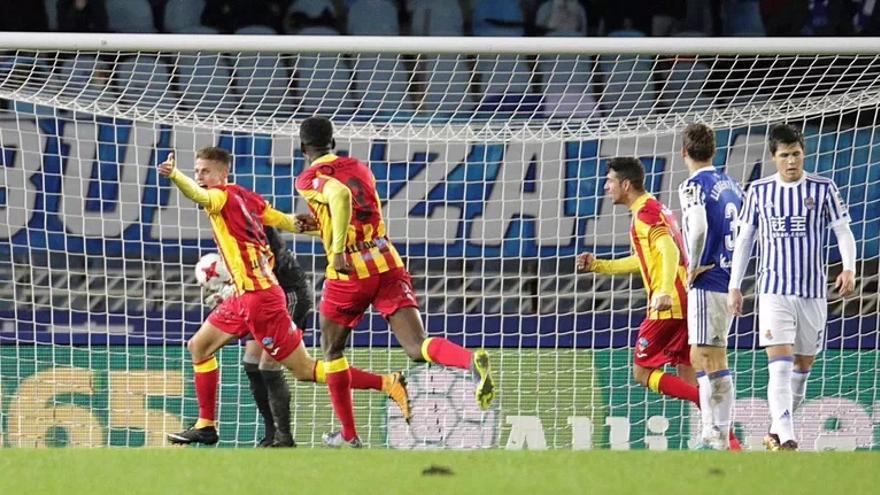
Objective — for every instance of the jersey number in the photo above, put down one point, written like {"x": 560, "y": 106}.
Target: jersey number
{"x": 730, "y": 233}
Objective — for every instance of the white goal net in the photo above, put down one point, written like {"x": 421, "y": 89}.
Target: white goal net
{"x": 490, "y": 157}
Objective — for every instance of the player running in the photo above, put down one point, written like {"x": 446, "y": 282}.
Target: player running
{"x": 364, "y": 268}
{"x": 259, "y": 307}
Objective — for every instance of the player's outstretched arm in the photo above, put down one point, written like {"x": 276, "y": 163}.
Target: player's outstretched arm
{"x": 587, "y": 262}
{"x": 211, "y": 199}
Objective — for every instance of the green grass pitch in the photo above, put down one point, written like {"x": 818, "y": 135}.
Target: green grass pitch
{"x": 301, "y": 471}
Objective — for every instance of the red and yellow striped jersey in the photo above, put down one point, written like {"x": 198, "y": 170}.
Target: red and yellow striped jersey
{"x": 659, "y": 256}
{"x": 653, "y": 226}
{"x": 237, "y": 217}
{"x": 341, "y": 193}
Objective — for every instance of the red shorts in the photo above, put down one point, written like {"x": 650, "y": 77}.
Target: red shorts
{"x": 345, "y": 301}
{"x": 662, "y": 342}
{"x": 263, "y": 314}
{"x": 230, "y": 316}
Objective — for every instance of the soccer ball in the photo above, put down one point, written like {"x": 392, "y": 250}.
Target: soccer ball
{"x": 211, "y": 272}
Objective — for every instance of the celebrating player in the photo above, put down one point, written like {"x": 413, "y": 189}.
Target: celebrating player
{"x": 790, "y": 211}
{"x": 710, "y": 202}
{"x": 259, "y": 307}
{"x": 266, "y": 377}
{"x": 660, "y": 258}
{"x": 364, "y": 268}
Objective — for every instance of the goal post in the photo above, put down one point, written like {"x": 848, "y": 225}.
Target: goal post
{"x": 489, "y": 155}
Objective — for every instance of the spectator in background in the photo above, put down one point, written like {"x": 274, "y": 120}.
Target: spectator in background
{"x": 784, "y": 17}
{"x": 301, "y": 15}
{"x": 229, "y": 15}
{"x": 20, "y": 15}
{"x": 667, "y": 17}
{"x": 82, "y": 16}
{"x": 562, "y": 16}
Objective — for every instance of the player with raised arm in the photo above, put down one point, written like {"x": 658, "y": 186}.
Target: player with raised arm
{"x": 259, "y": 306}
{"x": 710, "y": 202}
{"x": 660, "y": 258}
{"x": 266, "y": 377}
{"x": 364, "y": 268}
{"x": 790, "y": 211}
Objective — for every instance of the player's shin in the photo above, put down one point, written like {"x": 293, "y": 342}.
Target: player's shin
{"x": 207, "y": 377}
{"x": 278, "y": 392}
{"x": 339, "y": 386}
{"x": 779, "y": 397}
{"x": 673, "y": 386}
{"x": 261, "y": 398}
{"x": 705, "y": 405}
{"x": 441, "y": 351}
{"x": 798, "y": 387}
{"x": 721, "y": 401}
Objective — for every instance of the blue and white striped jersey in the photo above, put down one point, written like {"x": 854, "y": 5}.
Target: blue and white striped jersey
{"x": 713, "y": 194}
{"x": 792, "y": 222}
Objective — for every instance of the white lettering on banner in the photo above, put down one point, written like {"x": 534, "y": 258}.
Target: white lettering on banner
{"x": 181, "y": 218}
{"x": 581, "y": 432}
{"x": 440, "y": 223}
{"x": 509, "y": 201}
{"x": 618, "y": 432}
{"x": 526, "y": 432}
{"x": 657, "y": 427}
{"x": 26, "y": 145}
{"x": 80, "y": 175}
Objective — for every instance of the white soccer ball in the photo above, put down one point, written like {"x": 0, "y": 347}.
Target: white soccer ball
{"x": 211, "y": 272}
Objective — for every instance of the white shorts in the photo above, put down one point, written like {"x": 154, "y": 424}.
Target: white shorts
{"x": 708, "y": 319}
{"x": 792, "y": 320}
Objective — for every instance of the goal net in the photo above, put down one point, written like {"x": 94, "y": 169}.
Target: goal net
{"x": 490, "y": 157}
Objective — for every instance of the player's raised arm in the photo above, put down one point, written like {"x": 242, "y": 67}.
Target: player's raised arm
{"x": 211, "y": 199}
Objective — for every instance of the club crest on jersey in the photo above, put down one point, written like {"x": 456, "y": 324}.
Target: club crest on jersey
{"x": 810, "y": 203}
{"x": 768, "y": 334}
{"x": 268, "y": 342}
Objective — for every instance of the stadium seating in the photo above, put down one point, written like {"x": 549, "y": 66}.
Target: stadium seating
{"x": 182, "y": 14}
{"x": 432, "y": 18}
{"x": 130, "y": 16}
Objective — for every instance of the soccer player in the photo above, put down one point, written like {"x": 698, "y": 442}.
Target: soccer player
{"x": 259, "y": 307}
{"x": 790, "y": 211}
{"x": 364, "y": 268}
{"x": 710, "y": 202}
{"x": 659, "y": 256}
{"x": 266, "y": 377}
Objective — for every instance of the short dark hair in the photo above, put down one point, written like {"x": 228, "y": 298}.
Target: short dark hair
{"x": 215, "y": 154}
{"x": 629, "y": 168}
{"x": 784, "y": 134}
{"x": 699, "y": 142}
{"x": 316, "y": 132}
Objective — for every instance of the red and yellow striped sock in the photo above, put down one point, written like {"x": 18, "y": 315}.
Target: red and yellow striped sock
{"x": 360, "y": 379}
{"x": 207, "y": 377}
{"x": 339, "y": 386}
{"x": 673, "y": 386}
{"x": 441, "y": 351}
